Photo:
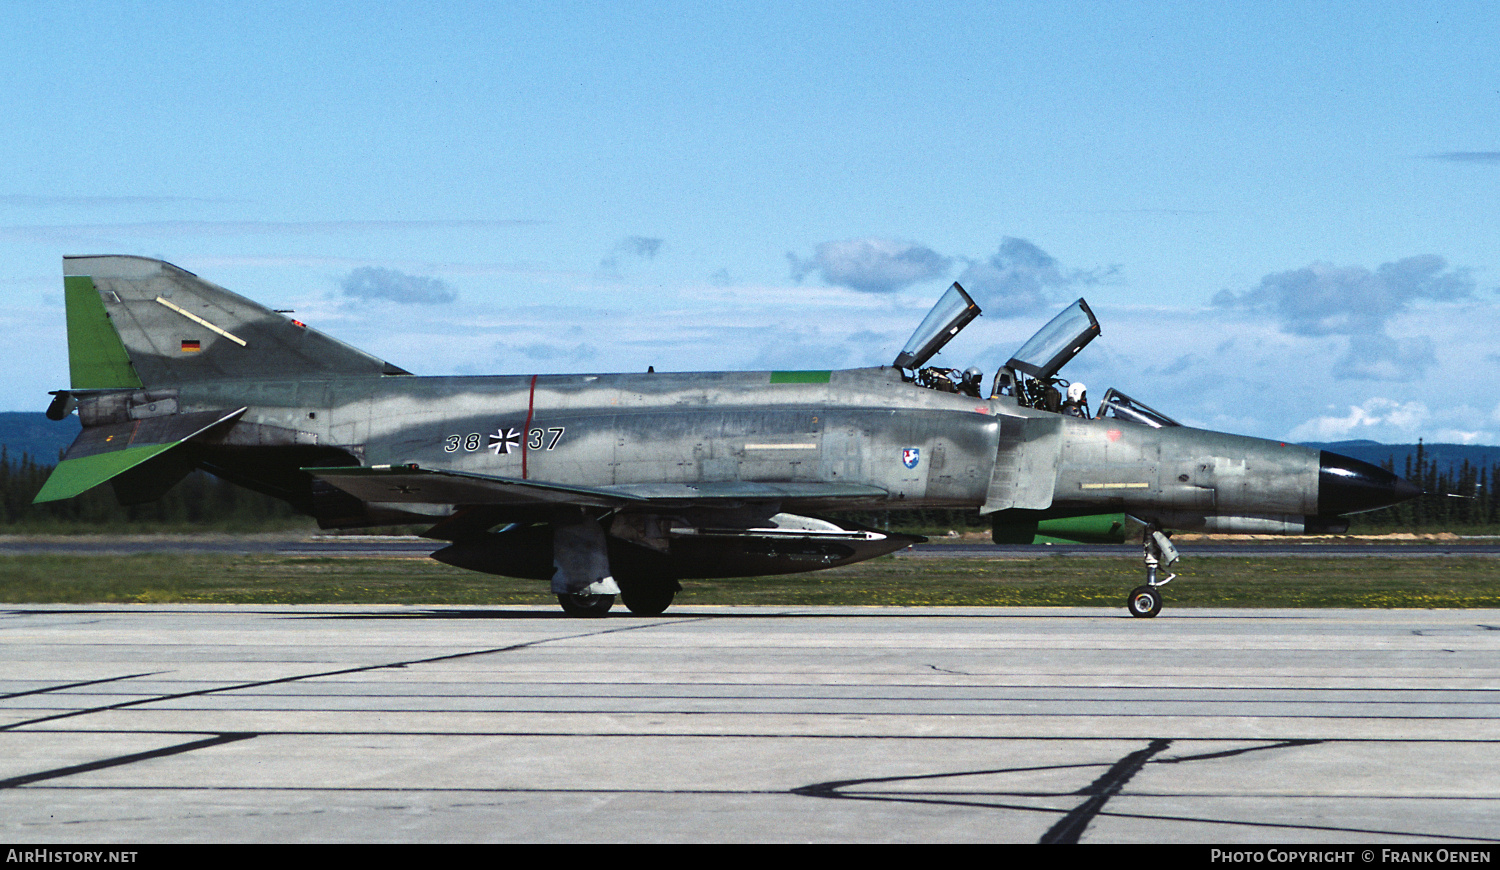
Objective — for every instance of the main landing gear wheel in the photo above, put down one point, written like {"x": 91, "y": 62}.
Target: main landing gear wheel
{"x": 1145, "y": 601}
{"x": 647, "y": 599}
{"x": 582, "y": 604}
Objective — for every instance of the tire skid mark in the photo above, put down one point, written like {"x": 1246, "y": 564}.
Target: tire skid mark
{"x": 333, "y": 673}
{"x": 64, "y": 686}
{"x": 118, "y": 760}
{"x": 1283, "y": 744}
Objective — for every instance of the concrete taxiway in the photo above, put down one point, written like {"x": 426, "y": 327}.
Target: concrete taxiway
{"x": 332, "y": 724}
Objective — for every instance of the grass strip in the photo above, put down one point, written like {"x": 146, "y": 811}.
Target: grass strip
{"x": 208, "y": 578}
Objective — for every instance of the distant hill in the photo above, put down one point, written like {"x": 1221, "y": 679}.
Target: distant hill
{"x": 31, "y": 433}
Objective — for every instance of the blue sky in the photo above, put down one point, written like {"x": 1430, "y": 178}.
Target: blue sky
{"x": 1284, "y": 214}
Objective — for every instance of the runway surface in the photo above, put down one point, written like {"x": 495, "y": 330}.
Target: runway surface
{"x": 719, "y": 724}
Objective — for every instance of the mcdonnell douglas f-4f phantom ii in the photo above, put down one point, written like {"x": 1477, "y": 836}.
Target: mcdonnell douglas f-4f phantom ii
{"x": 625, "y": 484}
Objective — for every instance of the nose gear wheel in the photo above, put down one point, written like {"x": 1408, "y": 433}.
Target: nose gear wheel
{"x": 1145, "y": 602}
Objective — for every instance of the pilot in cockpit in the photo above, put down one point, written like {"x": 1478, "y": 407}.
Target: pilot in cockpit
{"x": 1077, "y": 404}
{"x": 969, "y": 384}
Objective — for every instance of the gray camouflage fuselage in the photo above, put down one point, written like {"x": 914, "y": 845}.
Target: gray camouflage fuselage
{"x": 653, "y": 431}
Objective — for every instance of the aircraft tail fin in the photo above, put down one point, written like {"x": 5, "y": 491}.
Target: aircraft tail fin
{"x": 135, "y": 322}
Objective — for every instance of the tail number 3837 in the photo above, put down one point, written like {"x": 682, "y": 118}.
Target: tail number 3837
{"x": 537, "y": 439}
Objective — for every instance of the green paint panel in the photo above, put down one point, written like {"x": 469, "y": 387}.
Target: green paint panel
{"x": 822, "y": 377}
{"x": 75, "y": 476}
{"x": 96, "y": 357}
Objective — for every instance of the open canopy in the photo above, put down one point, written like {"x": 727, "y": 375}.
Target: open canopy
{"x": 1059, "y": 341}
{"x": 950, "y": 315}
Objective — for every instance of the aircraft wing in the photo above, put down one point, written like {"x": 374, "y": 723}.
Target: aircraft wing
{"x": 412, "y": 484}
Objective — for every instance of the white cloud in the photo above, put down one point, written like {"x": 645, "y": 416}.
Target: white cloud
{"x": 637, "y": 247}
{"x": 872, "y": 265}
{"x": 1378, "y": 419}
{"x": 1351, "y": 301}
{"x": 1019, "y": 278}
{"x": 375, "y": 282}
{"x": 1236, "y": 370}
{"x": 1457, "y": 436}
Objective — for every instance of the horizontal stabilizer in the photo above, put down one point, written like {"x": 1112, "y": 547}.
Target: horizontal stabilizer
{"x": 103, "y": 452}
{"x": 410, "y": 484}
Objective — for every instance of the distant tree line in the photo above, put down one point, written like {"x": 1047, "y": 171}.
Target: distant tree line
{"x": 201, "y": 501}
{"x": 1457, "y": 497}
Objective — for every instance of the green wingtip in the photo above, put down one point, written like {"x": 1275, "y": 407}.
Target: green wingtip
{"x": 96, "y": 356}
{"x": 75, "y": 476}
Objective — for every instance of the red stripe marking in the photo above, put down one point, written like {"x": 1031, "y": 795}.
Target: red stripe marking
{"x": 526, "y": 432}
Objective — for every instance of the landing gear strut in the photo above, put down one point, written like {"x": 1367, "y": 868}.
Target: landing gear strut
{"x": 1145, "y": 601}
{"x": 580, "y": 561}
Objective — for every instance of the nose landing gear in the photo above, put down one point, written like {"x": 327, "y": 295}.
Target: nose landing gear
{"x": 1145, "y": 601}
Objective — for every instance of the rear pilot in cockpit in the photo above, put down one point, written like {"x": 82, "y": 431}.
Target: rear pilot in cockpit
{"x": 1077, "y": 404}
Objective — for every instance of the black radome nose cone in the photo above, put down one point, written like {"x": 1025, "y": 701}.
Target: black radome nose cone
{"x": 1349, "y": 486}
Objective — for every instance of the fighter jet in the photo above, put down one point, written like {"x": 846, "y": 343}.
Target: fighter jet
{"x": 625, "y": 484}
